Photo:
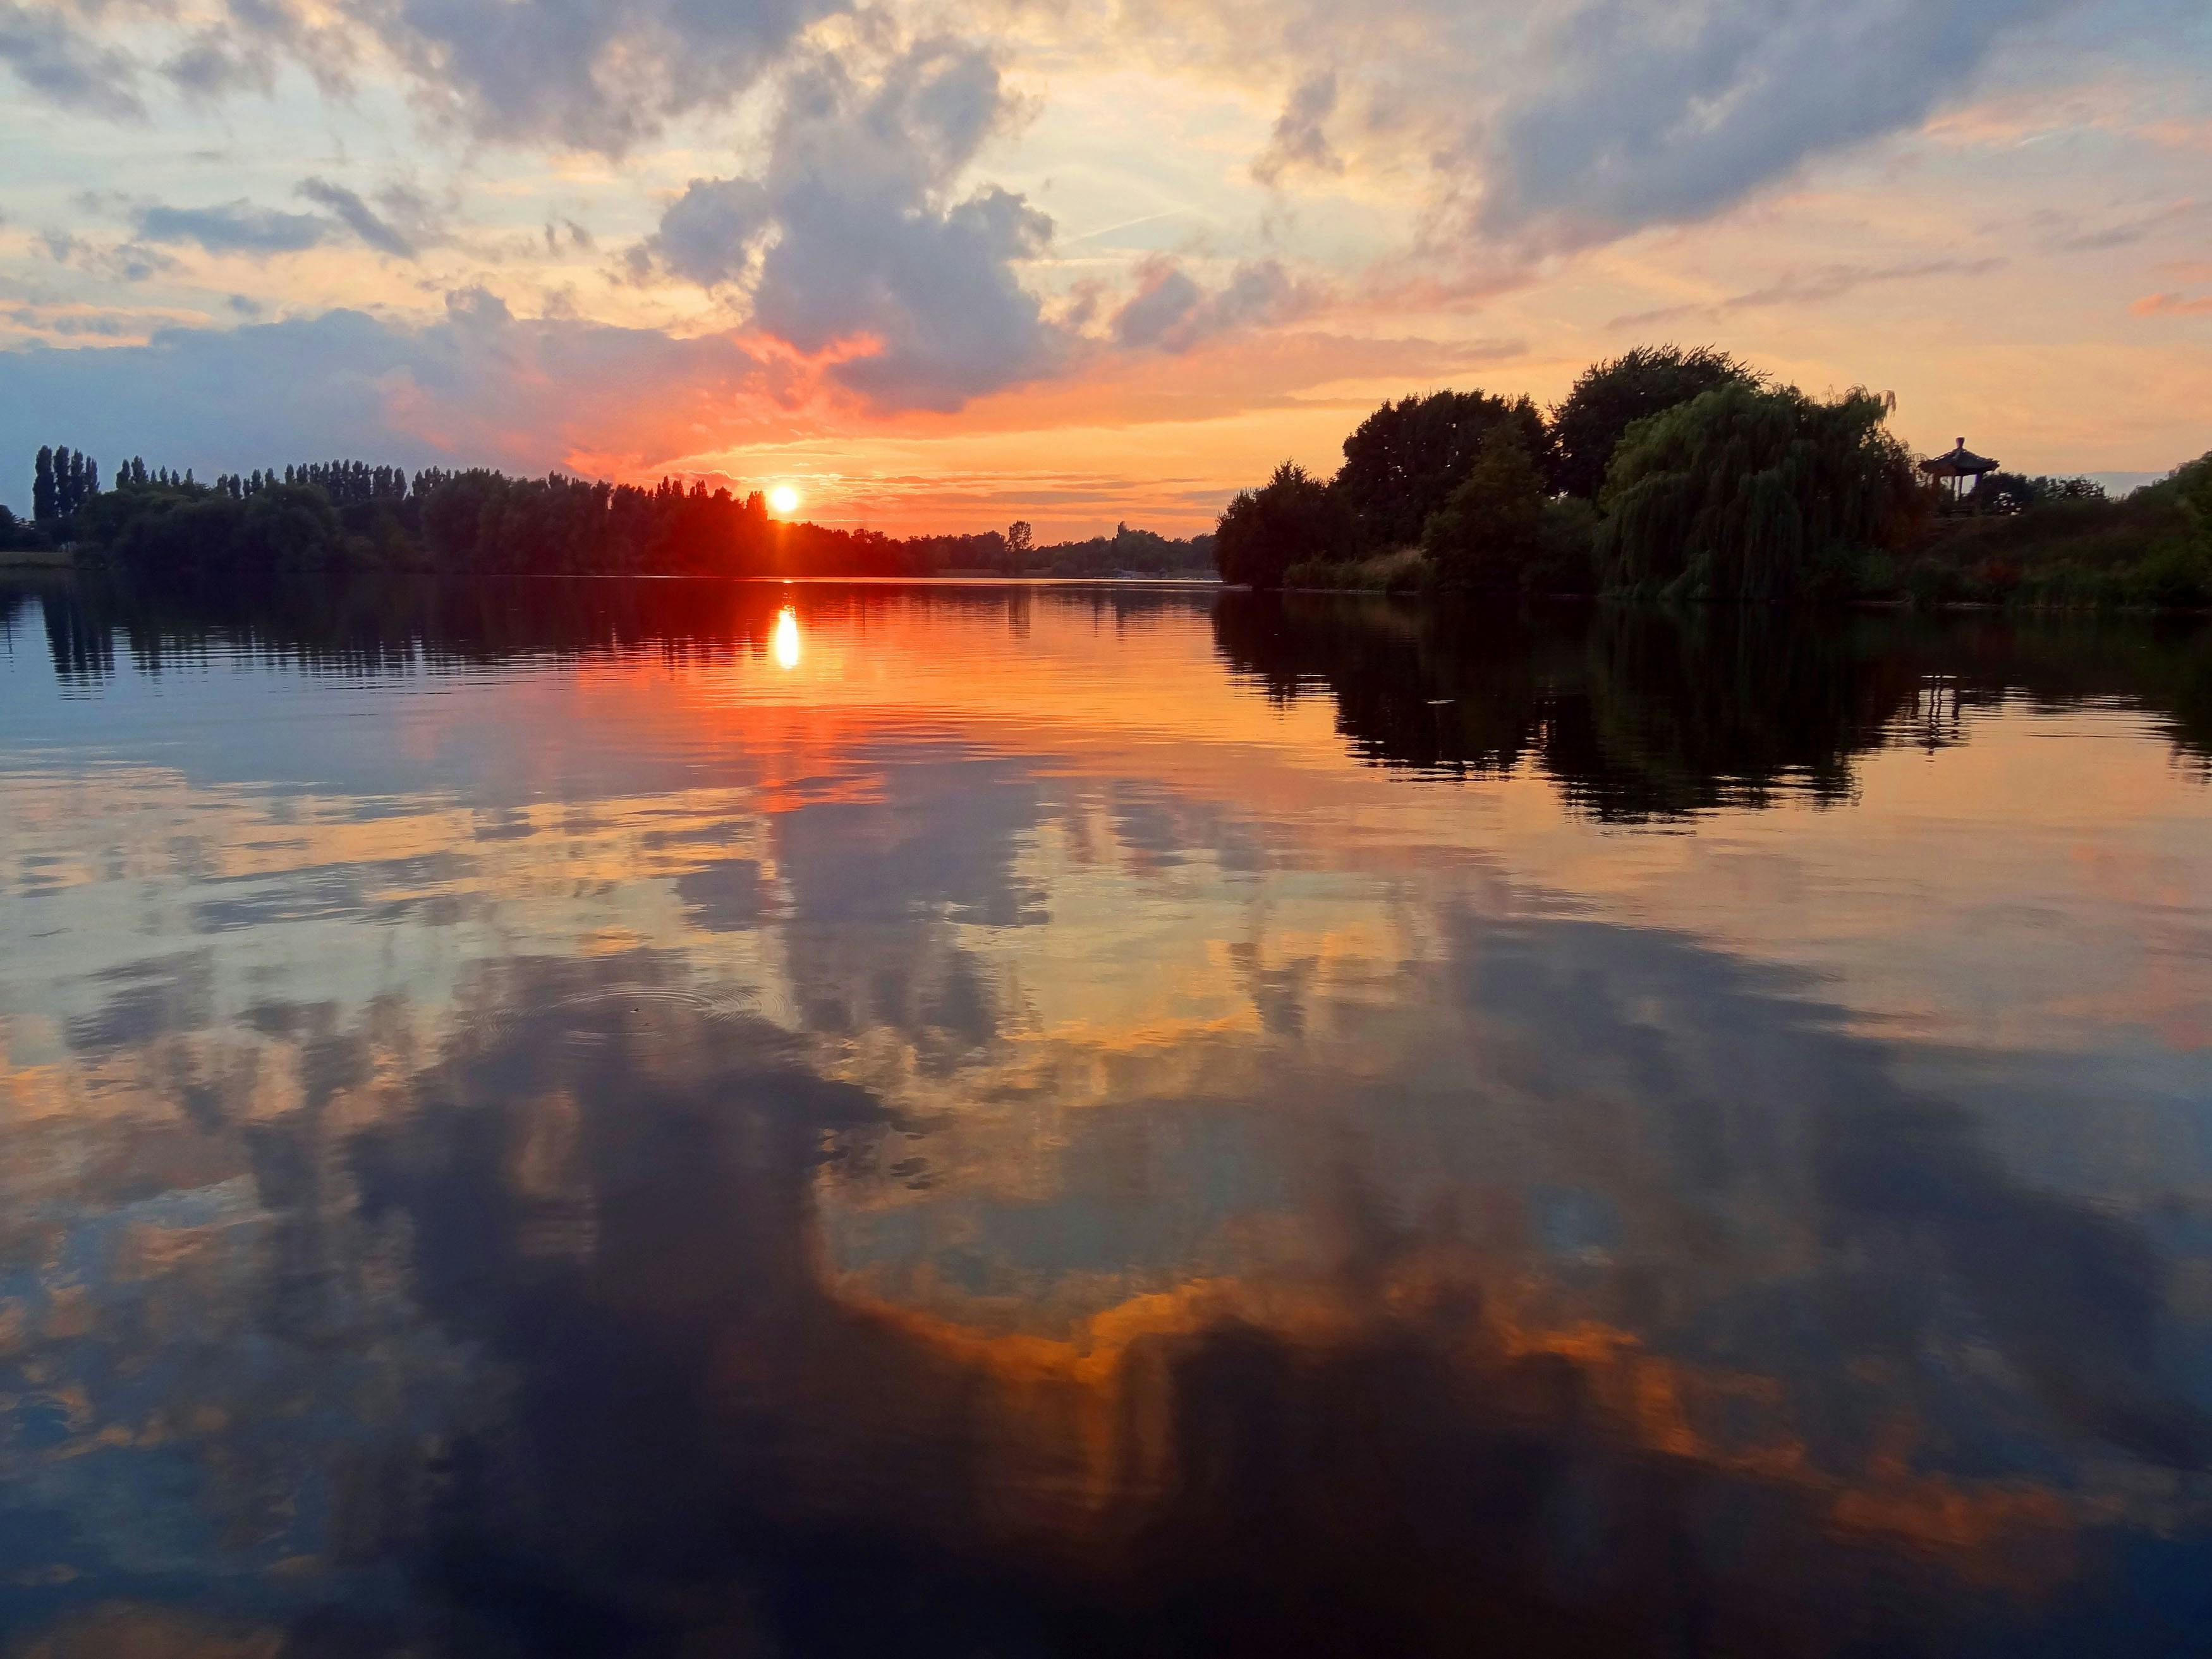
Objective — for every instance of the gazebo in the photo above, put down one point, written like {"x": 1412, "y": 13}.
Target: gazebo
{"x": 1957, "y": 467}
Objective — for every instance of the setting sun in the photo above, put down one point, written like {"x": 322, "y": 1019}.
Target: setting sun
{"x": 783, "y": 498}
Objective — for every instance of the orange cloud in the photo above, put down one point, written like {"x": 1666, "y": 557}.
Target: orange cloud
{"x": 2155, "y": 304}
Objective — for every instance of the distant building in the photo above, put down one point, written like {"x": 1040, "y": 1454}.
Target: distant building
{"x": 1960, "y": 468}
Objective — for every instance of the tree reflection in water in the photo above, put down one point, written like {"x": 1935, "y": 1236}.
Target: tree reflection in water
{"x": 772, "y": 1271}
{"x": 1638, "y": 711}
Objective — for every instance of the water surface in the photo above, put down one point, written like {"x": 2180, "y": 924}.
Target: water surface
{"x": 670, "y": 1118}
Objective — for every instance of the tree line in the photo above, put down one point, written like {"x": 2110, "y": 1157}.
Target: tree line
{"x": 353, "y": 514}
{"x": 1685, "y": 474}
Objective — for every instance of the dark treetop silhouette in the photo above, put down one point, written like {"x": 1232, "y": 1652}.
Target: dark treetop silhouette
{"x": 1684, "y": 475}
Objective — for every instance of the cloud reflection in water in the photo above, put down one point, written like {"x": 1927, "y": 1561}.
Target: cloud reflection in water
{"x": 1034, "y": 1171}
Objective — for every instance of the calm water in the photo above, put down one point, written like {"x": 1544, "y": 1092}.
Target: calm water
{"x": 690, "y": 1120}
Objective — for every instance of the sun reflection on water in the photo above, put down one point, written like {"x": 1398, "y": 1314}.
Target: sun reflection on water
{"x": 995, "y": 1094}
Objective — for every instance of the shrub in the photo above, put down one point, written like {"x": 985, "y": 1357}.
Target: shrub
{"x": 1406, "y": 571}
{"x": 2176, "y": 574}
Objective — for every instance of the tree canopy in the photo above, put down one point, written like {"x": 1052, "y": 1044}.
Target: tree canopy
{"x": 1487, "y": 532}
{"x": 1405, "y": 459}
{"x": 1750, "y": 492}
{"x": 1291, "y": 519}
{"x": 1609, "y": 398}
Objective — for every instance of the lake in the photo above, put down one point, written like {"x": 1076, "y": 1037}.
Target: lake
{"x": 683, "y": 1119}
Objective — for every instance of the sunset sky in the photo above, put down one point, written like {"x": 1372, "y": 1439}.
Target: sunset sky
{"x": 942, "y": 265}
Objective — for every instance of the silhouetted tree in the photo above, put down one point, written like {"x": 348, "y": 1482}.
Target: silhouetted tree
{"x": 1609, "y": 398}
{"x": 1486, "y": 534}
{"x": 1294, "y": 517}
{"x": 45, "y": 503}
{"x": 1405, "y": 459}
{"x": 1751, "y": 493}
{"x": 1021, "y": 541}
{"x": 2015, "y": 492}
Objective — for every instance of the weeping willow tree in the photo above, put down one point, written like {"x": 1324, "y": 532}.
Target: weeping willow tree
{"x": 1750, "y": 492}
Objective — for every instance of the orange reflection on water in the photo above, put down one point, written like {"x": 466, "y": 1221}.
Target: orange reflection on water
{"x": 1034, "y": 1082}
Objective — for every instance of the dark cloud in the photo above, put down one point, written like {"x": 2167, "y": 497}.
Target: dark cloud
{"x": 709, "y": 234}
{"x": 122, "y": 262}
{"x": 53, "y": 55}
{"x": 1299, "y": 140}
{"x": 381, "y": 234}
{"x": 852, "y": 232}
{"x": 219, "y": 62}
{"x": 1629, "y": 115}
{"x": 595, "y": 74}
{"x": 1172, "y": 312}
{"x": 49, "y": 319}
{"x": 580, "y": 238}
{"x": 232, "y": 228}
{"x": 1166, "y": 296}
{"x": 479, "y": 384}
{"x": 405, "y": 225}
{"x": 599, "y": 74}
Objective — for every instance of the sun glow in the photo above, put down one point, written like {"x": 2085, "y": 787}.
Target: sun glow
{"x": 784, "y": 499}
{"x": 783, "y": 644}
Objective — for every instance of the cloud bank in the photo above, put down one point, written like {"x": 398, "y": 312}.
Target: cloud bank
{"x": 588, "y": 75}
{"x": 478, "y": 386}
{"x": 1621, "y": 113}
{"x": 851, "y": 238}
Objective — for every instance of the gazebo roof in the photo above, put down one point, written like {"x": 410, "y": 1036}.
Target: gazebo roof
{"x": 1960, "y": 463}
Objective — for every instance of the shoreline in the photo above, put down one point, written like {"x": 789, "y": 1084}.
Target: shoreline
{"x": 1995, "y": 606}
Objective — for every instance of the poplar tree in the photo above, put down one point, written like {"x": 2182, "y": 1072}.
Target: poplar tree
{"x": 42, "y": 503}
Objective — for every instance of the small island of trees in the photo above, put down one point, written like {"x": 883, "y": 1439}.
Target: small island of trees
{"x": 1685, "y": 475}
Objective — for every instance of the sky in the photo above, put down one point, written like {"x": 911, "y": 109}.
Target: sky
{"x": 940, "y": 266}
